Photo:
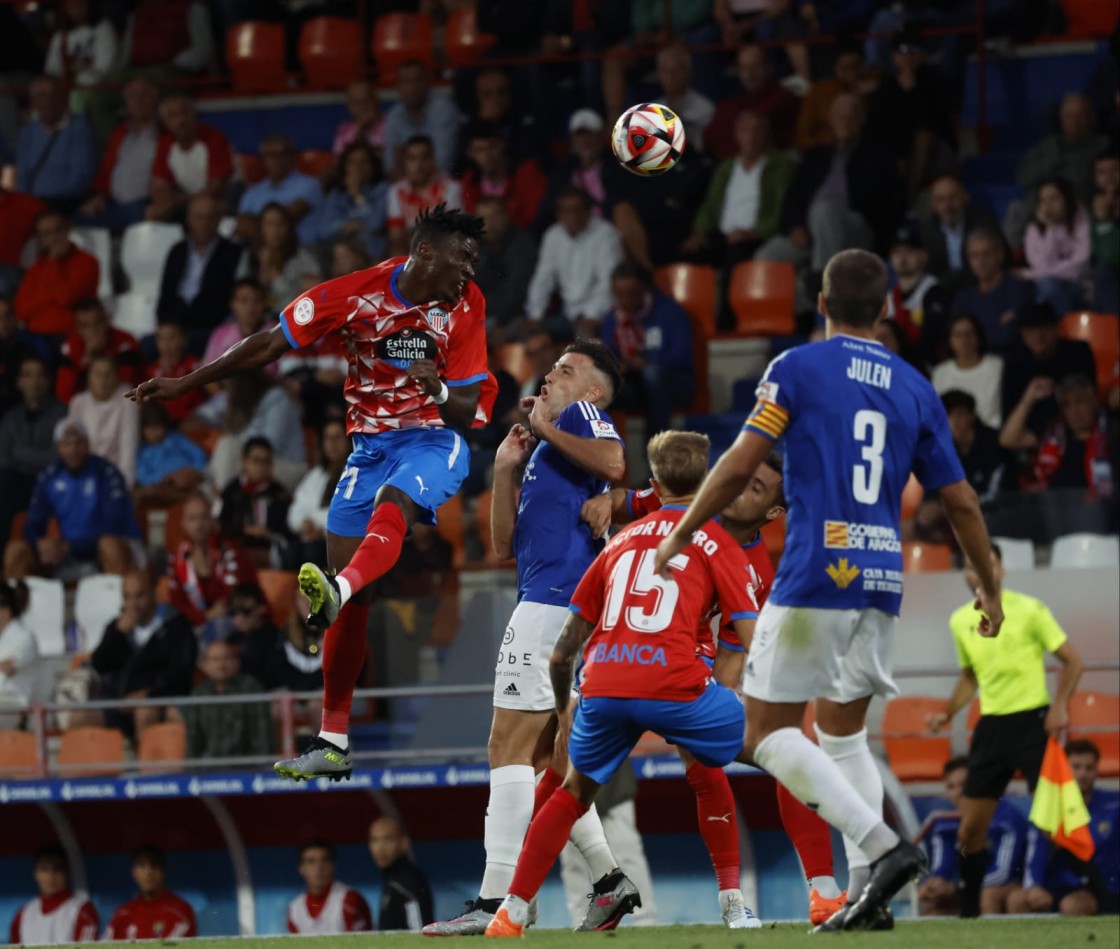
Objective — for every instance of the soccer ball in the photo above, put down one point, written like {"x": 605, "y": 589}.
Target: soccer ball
{"x": 648, "y": 139}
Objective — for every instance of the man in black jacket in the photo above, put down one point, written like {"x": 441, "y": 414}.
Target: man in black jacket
{"x": 149, "y": 651}
{"x": 844, "y": 195}
{"x": 198, "y": 274}
{"x": 953, "y": 216}
{"x": 406, "y": 898}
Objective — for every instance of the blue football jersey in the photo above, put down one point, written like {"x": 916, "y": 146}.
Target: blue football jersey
{"x": 856, "y": 420}
{"x": 552, "y": 545}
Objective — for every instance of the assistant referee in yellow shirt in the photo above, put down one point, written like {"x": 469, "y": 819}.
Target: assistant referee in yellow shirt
{"x": 1009, "y": 670}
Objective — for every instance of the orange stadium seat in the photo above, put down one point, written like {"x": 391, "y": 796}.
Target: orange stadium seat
{"x": 920, "y": 557}
{"x": 101, "y": 747}
{"x": 166, "y": 741}
{"x": 914, "y": 754}
{"x": 449, "y": 524}
{"x": 330, "y": 51}
{"x": 1089, "y": 711}
{"x": 512, "y": 358}
{"x": 912, "y": 496}
{"x": 17, "y": 754}
{"x": 279, "y": 589}
{"x": 761, "y": 294}
{"x": 249, "y": 167}
{"x": 312, "y": 161}
{"x": 693, "y": 286}
{"x": 1102, "y": 332}
{"x": 399, "y": 38}
{"x": 463, "y": 43}
{"x": 255, "y": 55}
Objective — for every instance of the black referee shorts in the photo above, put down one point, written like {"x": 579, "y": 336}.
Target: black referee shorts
{"x": 1002, "y": 745}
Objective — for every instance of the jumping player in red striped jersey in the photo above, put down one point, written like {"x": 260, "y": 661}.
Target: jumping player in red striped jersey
{"x": 641, "y": 671}
{"x": 57, "y": 914}
{"x": 416, "y": 344}
{"x": 761, "y": 502}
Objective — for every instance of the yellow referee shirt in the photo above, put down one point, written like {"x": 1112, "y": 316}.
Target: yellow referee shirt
{"x": 1010, "y": 669}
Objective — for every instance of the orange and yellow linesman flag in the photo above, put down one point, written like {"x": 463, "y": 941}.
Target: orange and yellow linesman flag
{"x": 1059, "y": 809}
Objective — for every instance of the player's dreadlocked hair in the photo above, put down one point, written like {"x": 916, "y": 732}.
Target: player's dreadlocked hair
{"x": 434, "y": 223}
{"x": 604, "y": 361}
{"x": 774, "y": 461}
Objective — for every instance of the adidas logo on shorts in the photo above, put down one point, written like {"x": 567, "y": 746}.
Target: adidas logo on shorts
{"x": 511, "y": 689}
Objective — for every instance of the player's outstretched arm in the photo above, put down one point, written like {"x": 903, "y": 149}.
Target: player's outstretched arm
{"x": 252, "y": 352}
{"x": 725, "y": 482}
{"x": 572, "y": 637}
{"x": 512, "y": 453}
{"x": 963, "y": 692}
{"x": 962, "y": 508}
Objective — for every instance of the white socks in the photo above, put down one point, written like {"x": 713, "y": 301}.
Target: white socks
{"x": 337, "y": 739}
{"x": 825, "y": 886}
{"x": 588, "y": 838}
{"x": 816, "y": 780}
{"x": 344, "y": 591}
{"x": 517, "y": 909}
{"x": 853, "y": 757}
{"x": 508, "y": 815}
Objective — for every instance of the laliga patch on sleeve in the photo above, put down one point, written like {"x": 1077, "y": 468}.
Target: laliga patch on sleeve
{"x": 645, "y": 493}
{"x": 304, "y": 311}
{"x": 601, "y": 429}
{"x": 767, "y": 392}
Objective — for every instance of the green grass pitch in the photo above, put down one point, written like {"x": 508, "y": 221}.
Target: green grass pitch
{"x": 1049, "y": 932}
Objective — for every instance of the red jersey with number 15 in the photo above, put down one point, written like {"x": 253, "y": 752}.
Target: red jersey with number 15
{"x": 760, "y": 577}
{"x": 644, "y": 644}
{"x": 384, "y": 334}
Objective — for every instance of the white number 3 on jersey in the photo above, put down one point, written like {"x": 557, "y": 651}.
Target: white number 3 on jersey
{"x": 870, "y": 430}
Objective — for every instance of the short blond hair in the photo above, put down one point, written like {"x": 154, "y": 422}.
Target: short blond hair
{"x": 679, "y": 461}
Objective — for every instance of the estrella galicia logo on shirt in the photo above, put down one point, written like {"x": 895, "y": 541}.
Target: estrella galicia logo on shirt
{"x": 841, "y": 573}
{"x": 404, "y": 347}
{"x": 438, "y": 319}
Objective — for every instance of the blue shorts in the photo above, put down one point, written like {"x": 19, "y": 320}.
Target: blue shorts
{"x": 605, "y": 731}
{"x": 427, "y": 464}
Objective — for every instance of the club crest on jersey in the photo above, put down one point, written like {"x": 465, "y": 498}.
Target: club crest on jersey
{"x": 405, "y": 346}
{"x": 438, "y": 319}
{"x": 304, "y": 311}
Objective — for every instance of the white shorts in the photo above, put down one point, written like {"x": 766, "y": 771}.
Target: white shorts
{"x": 801, "y": 653}
{"x": 521, "y": 677}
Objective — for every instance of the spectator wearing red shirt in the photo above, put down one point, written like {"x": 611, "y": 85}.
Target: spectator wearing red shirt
{"x": 124, "y": 179}
{"x": 206, "y": 567}
{"x": 18, "y": 212}
{"x": 328, "y": 906}
{"x": 56, "y": 915}
{"x": 422, "y": 186}
{"x": 195, "y": 158}
{"x": 155, "y": 912}
{"x": 63, "y": 275}
{"x": 521, "y": 188}
{"x": 174, "y": 361}
{"x": 94, "y": 336}
{"x": 760, "y": 94}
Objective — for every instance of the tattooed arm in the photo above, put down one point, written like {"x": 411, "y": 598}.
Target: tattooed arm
{"x": 572, "y": 637}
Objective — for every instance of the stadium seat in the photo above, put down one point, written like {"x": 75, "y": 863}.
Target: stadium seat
{"x": 279, "y": 588}
{"x": 99, "y": 242}
{"x": 693, "y": 286}
{"x": 45, "y": 615}
{"x": 912, "y": 496}
{"x": 449, "y": 524}
{"x": 761, "y": 294}
{"x": 250, "y": 168}
{"x": 103, "y": 748}
{"x": 1089, "y": 19}
{"x": 920, "y": 557}
{"x": 512, "y": 358}
{"x": 18, "y": 758}
{"x": 166, "y": 741}
{"x": 912, "y": 753}
{"x": 314, "y": 162}
{"x": 1100, "y": 331}
{"x": 255, "y": 56}
{"x": 774, "y": 536}
{"x": 97, "y": 603}
{"x": 330, "y": 51}
{"x": 1075, "y": 551}
{"x": 144, "y": 248}
{"x": 1017, "y": 554}
{"x": 135, "y": 313}
{"x": 1089, "y": 711}
{"x": 463, "y": 44}
{"x": 400, "y": 38}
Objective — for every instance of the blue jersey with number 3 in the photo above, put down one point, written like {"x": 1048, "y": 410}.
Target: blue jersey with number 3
{"x": 856, "y": 420}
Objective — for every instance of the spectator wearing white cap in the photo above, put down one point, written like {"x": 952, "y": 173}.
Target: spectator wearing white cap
{"x": 88, "y": 498}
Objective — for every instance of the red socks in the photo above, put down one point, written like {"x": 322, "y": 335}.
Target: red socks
{"x": 546, "y": 838}
{"x": 380, "y": 549}
{"x": 344, "y": 650}
{"x": 715, "y": 815}
{"x": 809, "y": 833}
{"x": 548, "y": 783}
